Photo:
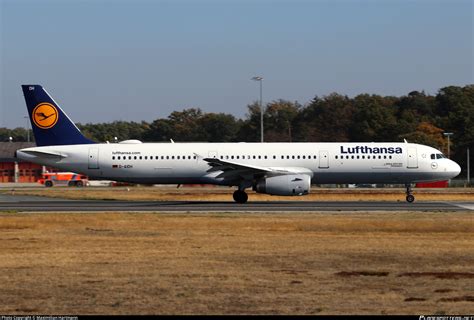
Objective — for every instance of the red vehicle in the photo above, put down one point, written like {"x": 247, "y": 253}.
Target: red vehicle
{"x": 70, "y": 179}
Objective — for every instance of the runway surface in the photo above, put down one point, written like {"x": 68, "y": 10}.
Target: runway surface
{"x": 27, "y": 203}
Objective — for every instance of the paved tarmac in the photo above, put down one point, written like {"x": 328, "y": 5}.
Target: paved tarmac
{"x": 39, "y": 204}
{"x": 20, "y": 199}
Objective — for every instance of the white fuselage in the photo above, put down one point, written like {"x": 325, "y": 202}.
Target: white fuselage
{"x": 166, "y": 163}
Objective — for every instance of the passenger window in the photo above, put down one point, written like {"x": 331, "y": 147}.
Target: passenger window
{"x": 363, "y": 157}
{"x": 232, "y": 157}
{"x": 352, "y": 157}
{"x": 167, "y": 157}
{"x": 347, "y": 157}
{"x": 385, "y": 157}
{"x": 274, "y": 157}
{"x": 264, "y": 157}
{"x": 380, "y": 157}
{"x": 288, "y": 157}
{"x": 358, "y": 157}
{"x": 260, "y": 157}
{"x": 303, "y": 157}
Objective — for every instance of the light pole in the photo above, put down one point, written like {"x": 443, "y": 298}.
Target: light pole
{"x": 27, "y": 129}
{"x": 260, "y": 79}
{"x": 448, "y": 134}
{"x": 468, "y": 169}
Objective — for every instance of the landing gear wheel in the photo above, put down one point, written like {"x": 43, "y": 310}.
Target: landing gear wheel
{"x": 240, "y": 196}
{"x": 410, "y": 198}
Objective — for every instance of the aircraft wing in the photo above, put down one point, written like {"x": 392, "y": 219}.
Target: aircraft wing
{"x": 232, "y": 170}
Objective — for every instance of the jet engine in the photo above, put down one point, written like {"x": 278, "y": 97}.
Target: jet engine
{"x": 284, "y": 185}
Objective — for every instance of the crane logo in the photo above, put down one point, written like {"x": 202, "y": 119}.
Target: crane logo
{"x": 45, "y": 115}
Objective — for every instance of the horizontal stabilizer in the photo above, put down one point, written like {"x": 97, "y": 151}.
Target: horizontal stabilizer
{"x": 44, "y": 154}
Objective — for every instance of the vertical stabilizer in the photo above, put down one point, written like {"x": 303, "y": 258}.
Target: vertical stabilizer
{"x": 51, "y": 126}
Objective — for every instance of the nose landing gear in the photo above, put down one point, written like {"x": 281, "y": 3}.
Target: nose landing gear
{"x": 240, "y": 196}
{"x": 410, "y": 197}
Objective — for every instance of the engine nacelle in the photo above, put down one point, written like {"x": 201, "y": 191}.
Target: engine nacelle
{"x": 284, "y": 185}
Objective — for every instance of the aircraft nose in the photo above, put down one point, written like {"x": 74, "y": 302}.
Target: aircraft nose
{"x": 455, "y": 168}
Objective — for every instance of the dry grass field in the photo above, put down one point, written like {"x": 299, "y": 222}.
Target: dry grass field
{"x": 225, "y": 194}
{"x": 227, "y": 263}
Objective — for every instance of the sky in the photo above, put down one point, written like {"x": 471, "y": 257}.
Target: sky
{"x": 135, "y": 60}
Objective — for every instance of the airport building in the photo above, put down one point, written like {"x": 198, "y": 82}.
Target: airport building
{"x": 16, "y": 170}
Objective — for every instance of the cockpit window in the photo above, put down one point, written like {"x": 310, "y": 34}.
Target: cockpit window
{"x": 440, "y": 156}
{"x": 433, "y": 156}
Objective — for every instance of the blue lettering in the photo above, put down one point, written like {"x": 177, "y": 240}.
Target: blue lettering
{"x": 374, "y": 150}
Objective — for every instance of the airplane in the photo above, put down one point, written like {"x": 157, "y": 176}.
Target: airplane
{"x": 284, "y": 169}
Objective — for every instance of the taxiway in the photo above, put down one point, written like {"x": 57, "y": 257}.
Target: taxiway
{"x": 33, "y": 204}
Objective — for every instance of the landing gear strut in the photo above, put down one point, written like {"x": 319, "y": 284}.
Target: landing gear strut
{"x": 240, "y": 196}
{"x": 410, "y": 197}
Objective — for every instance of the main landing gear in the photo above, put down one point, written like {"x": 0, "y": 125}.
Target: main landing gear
{"x": 240, "y": 196}
{"x": 410, "y": 197}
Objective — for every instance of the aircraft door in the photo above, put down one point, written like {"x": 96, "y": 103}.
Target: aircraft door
{"x": 323, "y": 159}
{"x": 93, "y": 158}
{"x": 412, "y": 158}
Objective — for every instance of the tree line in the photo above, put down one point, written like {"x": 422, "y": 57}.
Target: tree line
{"x": 417, "y": 117}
